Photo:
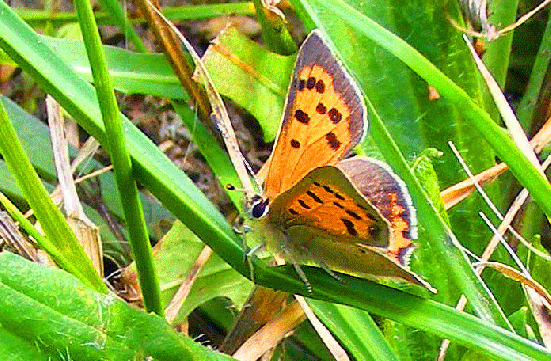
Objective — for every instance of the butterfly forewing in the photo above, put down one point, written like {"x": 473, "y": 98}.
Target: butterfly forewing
{"x": 324, "y": 117}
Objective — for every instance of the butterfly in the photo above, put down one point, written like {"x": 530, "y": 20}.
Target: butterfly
{"x": 352, "y": 215}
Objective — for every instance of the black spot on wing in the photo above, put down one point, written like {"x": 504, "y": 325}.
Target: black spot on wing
{"x": 353, "y": 214}
{"x": 311, "y": 83}
{"x": 314, "y": 197}
{"x": 301, "y": 116}
{"x": 339, "y": 196}
{"x": 320, "y": 108}
{"x": 334, "y": 115}
{"x": 349, "y": 226}
{"x": 303, "y": 204}
{"x": 292, "y": 211}
{"x": 332, "y": 140}
{"x": 320, "y": 86}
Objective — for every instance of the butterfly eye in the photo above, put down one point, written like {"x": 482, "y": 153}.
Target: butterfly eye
{"x": 259, "y": 207}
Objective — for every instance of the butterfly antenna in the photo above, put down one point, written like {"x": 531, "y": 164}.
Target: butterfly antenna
{"x": 242, "y": 166}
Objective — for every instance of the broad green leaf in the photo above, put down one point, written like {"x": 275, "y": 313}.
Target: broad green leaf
{"x": 251, "y": 76}
{"x": 47, "y": 312}
{"x": 174, "y": 257}
{"x": 16, "y": 348}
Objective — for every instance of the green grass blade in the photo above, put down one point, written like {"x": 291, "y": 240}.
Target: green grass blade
{"x": 67, "y": 250}
{"x": 503, "y": 12}
{"x": 117, "y": 15}
{"x": 36, "y": 17}
{"x": 120, "y": 157}
{"x": 355, "y": 329}
{"x": 217, "y": 158}
{"x": 42, "y": 241}
{"x": 130, "y": 72}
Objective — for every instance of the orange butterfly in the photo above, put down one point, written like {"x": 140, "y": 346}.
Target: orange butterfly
{"x": 353, "y": 215}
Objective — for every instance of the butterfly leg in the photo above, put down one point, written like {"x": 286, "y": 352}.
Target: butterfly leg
{"x": 302, "y": 276}
{"x": 242, "y": 230}
{"x": 329, "y": 271}
{"x": 251, "y": 253}
{"x": 289, "y": 257}
{"x": 255, "y": 249}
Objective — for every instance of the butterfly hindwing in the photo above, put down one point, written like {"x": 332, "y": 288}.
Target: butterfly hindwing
{"x": 327, "y": 201}
{"x": 343, "y": 217}
{"x": 388, "y": 193}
